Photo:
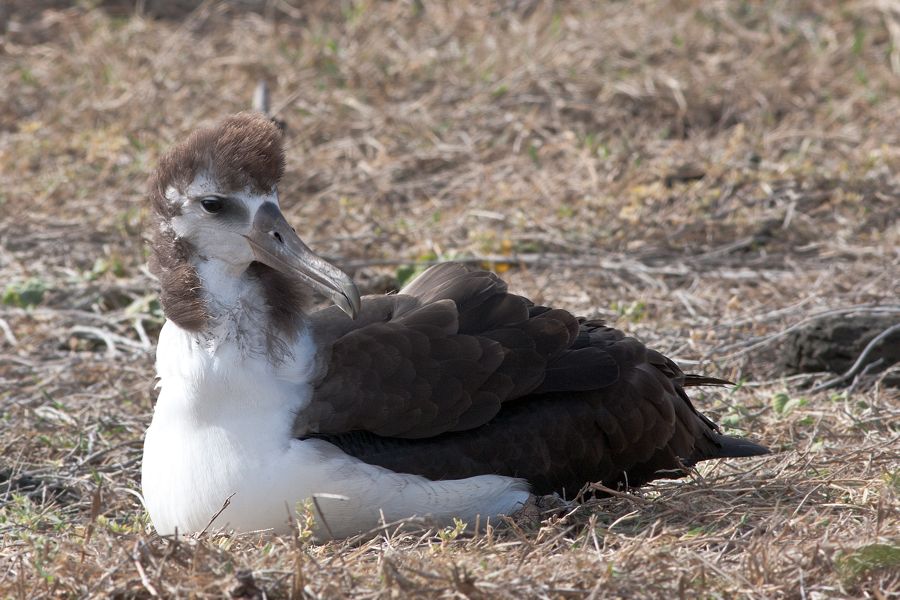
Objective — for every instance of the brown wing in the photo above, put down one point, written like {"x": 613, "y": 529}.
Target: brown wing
{"x": 456, "y": 377}
{"x": 636, "y": 429}
{"x": 441, "y": 356}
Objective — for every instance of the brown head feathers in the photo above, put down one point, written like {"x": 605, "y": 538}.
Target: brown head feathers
{"x": 243, "y": 151}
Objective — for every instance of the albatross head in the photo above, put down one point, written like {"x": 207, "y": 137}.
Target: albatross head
{"x": 219, "y": 224}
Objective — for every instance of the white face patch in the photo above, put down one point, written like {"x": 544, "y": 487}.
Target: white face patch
{"x": 218, "y": 236}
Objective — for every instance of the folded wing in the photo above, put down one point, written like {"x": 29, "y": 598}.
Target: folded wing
{"x": 443, "y": 355}
{"x": 456, "y": 377}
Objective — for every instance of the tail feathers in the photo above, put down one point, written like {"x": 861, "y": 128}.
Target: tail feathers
{"x": 724, "y": 446}
{"x": 732, "y": 447}
{"x": 691, "y": 379}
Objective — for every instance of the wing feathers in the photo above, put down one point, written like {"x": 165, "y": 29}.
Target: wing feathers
{"x": 580, "y": 370}
{"x": 455, "y": 377}
{"x": 472, "y": 345}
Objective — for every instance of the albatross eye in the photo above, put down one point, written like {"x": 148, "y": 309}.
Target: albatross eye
{"x": 212, "y": 204}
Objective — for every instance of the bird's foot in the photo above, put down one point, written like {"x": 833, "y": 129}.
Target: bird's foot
{"x": 539, "y": 508}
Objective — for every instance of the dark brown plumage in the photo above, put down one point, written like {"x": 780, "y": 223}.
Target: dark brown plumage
{"x": 455, "y": 377}
{"x": 180, "y": 288}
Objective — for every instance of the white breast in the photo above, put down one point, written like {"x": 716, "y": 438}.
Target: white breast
{"x": 222, "y": 425}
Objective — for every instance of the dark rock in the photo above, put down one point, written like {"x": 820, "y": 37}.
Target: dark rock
{"x": 684, "y": 174}
{"x": 246, "y": 588}
{"x": 835, "y": 343}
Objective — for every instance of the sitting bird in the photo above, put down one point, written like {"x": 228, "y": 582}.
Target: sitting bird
{"x": 453, "y": 398}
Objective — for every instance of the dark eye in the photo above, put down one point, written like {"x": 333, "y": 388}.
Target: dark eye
{"x": 212, "y": 204}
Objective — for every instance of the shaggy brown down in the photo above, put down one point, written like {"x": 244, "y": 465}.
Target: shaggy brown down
{"x": 242, "y": 152}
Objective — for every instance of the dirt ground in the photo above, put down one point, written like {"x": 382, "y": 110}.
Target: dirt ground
{"x": 708, "y": 176}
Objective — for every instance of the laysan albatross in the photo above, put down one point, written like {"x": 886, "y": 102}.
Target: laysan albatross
{"x": 452, "y": 398}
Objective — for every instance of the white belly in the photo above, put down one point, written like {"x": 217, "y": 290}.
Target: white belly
{"x": 189, "y": 473}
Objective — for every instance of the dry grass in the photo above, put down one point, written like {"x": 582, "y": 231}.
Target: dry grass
{"x": 538, "y": 137}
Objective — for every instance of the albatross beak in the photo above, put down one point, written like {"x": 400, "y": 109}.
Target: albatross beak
{"x": 276, "y": 244}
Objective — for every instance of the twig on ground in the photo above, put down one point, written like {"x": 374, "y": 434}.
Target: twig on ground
{"x": 136, "y": 559}
{"x": 225, "y": 505}
{"x": 108, "y": 338}
{"x": 532, "y": 260}
{"x": 8, "y": 333}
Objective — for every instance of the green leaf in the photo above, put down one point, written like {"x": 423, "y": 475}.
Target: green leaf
{"x": 779, "y": 401}
{"x": 405, "y": 273}
{"x": 866, "y": 559}
{"x": 783, "y": 404}
{"x": 24, "y": 295}
{"x": 892, "y": 479}
{"x": 732, "y": 420}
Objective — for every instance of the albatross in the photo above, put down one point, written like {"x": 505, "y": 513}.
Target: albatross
{"x": 453, "y": 398}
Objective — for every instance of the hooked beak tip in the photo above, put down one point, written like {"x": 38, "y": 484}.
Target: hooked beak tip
{"x": 276, "y": 244}
{"x": 348, "y": 300}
